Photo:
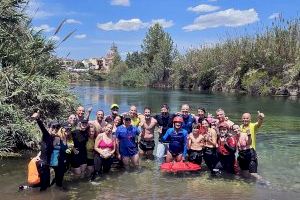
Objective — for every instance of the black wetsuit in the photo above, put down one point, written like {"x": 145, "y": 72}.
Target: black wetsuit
{"x": 43, "y": 163}
{"x": 80, "y": 139}
{"x": 166, "y": 121}
{"x": 60, "y": 169}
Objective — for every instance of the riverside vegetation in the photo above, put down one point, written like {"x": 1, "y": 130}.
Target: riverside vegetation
{"x": 31, "y": 78}
{"x": 267, "y": 63}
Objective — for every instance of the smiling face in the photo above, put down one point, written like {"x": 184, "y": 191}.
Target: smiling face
{"x": 221, "y": 115}
{"x": 80, "y": 111}
{"x": 185, "y": 109}
{"x": 108, "y": 129}
{"x": 72, "y": 119}
{"x": 147, "y": 113}
{"x": 133, "y": 111}
{"x": 117, "y": 120}
{"x": 201, "y": 113}
{"x": 246, "y": 119}
{"x": 100, "y": 115}
{"x": 92, "y": 132}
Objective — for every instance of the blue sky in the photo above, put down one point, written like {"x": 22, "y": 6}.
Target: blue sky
{"x": 99, "y": 23}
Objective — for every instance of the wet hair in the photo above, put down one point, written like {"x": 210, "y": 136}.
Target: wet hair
{"x": 165, "y": 106}
{"x": 209, "y": 124}
{"x": 220, "y": 110}
{"x": 100, "y": 110}
{"x": 196, "y": 126}
{"x": 202, "y": 108}
{"x": 147, "y": 108}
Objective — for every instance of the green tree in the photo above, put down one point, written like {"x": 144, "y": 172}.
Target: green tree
{"x": 134, "y": 60}
{"x": 158, "y": 51}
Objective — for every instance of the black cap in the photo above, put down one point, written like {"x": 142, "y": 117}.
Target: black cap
{"x": 54, "y": 124}
{"x": 126, "y": 116}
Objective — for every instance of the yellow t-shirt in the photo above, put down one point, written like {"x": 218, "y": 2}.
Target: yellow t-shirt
{"x": 253, "y": 127}
{"x": 135, "y": 121}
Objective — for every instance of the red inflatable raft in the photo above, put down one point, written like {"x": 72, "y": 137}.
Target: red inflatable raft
{"x": 179, "y": 167}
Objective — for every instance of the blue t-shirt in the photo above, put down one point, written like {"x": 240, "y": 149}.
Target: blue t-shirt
{"x": 126, "y": 137}
{"x": 178, "y": 141}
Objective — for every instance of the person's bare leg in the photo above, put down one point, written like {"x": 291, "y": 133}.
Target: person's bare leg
{"x": 169, "y": 157}
{"x": 135, "y": 160}
{"x": 179, "y": 158}
{"x": 126, "y": 162}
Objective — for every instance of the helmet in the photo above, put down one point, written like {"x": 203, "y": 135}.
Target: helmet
{"x": 177, "y": 119}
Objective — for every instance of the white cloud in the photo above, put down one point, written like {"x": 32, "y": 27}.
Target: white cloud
{"x": 163, "y": 22}
{"x": 117, "y": 42}
{"x": 44, "y": 27}
{"x": 123, "y": 25}
{"x": 120, "y": 2}
{"x": 274, "y": 15}
{"x": 35, "y": 9}
{"x": 73, "y": 21}
{"x": 133, "y": 24}
{"x": 54, "y": 38}
{"x": 228, "y": 18}
{"x": 80, "y": 36}
{"x": 203, "y": 8}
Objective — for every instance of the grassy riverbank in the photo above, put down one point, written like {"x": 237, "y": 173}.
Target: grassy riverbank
{"x": 31, "y": 78}
{"x": 267, "y": 63}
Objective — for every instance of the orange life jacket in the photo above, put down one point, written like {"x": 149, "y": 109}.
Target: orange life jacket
{"x": 33, "y": 174}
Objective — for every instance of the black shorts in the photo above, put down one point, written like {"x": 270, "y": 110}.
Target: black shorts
{"x": 195, "y": 156}
{"x": 78, "y": 159}
{"x": 90, "y": 162}
{"x": 248, "y": 160}
{"x": 147, "y": 145}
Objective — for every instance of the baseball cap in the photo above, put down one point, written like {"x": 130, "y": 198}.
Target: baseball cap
{"x": 114, "y": 106}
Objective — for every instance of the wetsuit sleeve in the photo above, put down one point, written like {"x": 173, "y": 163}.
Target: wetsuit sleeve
{"x": 185, "y": 144}
{"x": 165, "y": 137}
{"x": 46, "y": 134}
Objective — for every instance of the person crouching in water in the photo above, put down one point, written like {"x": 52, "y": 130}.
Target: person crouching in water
{"x": 147, "y": 143}
{"x": 59, "y": 154}
{"x": 105, "y": 147}
{"x": 226, "y": 149}
{"x": 196, "y": 144}
{"x": 177, "y": 137}
{"x": 126, "y": 135}
{"x": 210, "y": 146}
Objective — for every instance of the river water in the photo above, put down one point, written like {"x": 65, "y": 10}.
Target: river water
{"x": 277, "y": 147}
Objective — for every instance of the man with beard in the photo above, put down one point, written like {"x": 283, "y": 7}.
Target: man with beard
{"x": 114, "y": 112}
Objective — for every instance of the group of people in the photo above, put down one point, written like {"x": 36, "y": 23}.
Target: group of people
{"x": 91, "y": 147}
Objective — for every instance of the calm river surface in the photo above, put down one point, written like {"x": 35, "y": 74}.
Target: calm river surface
{"x": 278, "y": 149}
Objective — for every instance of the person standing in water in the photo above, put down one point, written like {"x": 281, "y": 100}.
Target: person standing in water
{"x": 99, "y": 123}
{"x": 196, "y": 144}
{"x": 126, "y": 135}
{"x": 178, "y": 141}
{"x": 164, "y": 121}
{"x": 43, "y": 164}
{"x": 188, "y": 118}
{"x": 248, "y": 157}
{"x": 147, "y": 143}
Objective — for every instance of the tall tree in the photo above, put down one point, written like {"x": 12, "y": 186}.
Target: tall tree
{"x": 158, "y": 51}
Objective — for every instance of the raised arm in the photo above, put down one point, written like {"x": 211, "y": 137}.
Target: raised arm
{"x": 260, "y": 118}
